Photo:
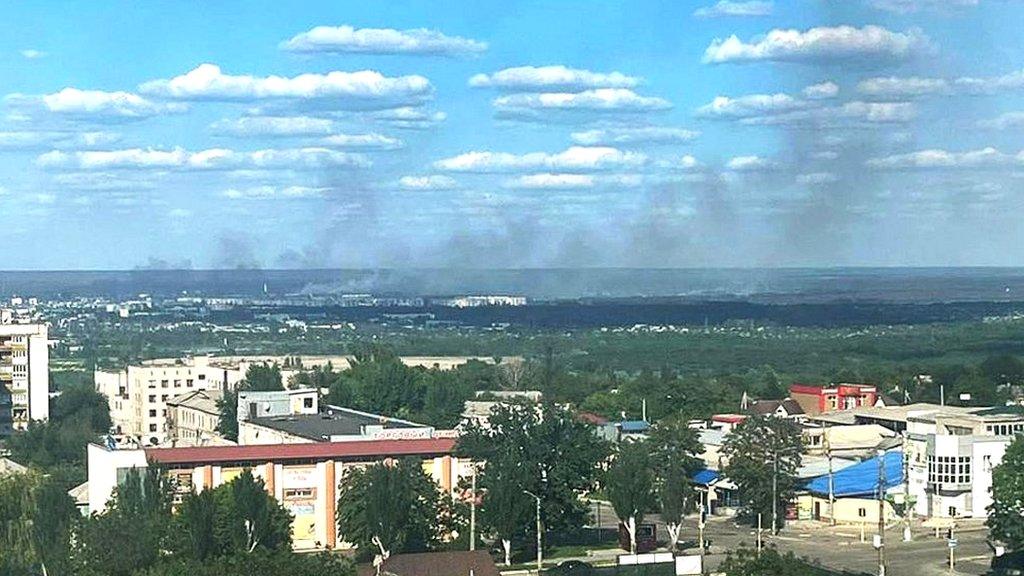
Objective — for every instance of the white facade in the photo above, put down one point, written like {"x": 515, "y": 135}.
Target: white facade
{"x": 24, "y": 376}
{"x": 138, "y": 395}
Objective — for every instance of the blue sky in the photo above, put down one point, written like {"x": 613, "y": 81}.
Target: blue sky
{"x": 511, "y": 134}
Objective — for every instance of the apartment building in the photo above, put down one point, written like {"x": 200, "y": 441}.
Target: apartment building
{"x": 303, "y": 477}
{"x": 138, "y": 394}
{"x": 192, "y": 418}
{"x": 24, "y": 376}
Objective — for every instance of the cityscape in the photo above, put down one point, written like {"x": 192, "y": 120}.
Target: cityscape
{"x": 523, "y": 288}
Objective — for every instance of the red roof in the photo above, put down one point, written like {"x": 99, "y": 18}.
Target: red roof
{"x": 357, "y": 449}
{"x": 728, "y": 418}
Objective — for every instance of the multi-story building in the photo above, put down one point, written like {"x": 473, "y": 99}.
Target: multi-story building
{"x": 819, "y": 399}
{"x": 193, "y": 417}
{"x": 138, "y": 395}
{"x": 303, "y": 477}
{"x": 24, "y": 376}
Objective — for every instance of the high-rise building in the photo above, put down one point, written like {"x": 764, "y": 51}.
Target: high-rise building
{"x": 24, "y": 376}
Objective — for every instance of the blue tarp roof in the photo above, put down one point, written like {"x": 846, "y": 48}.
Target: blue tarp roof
{"x": 861, "y": 479}
{"x": 706, "y": 477}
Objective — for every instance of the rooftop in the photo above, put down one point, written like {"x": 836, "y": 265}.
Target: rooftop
{"x": 336, "y": 421}
{"x": 261, "y": 453}
{"x": 921, "y": 411}
{"x": 202, "y": 400}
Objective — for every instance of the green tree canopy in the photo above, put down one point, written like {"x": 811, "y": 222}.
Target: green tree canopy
{"x": 629, "y": 485}
{"x": 1006, "y": 513}
{"x": 262, "y": 378}
{"x": 36, "y": 519}
{"x": 758, "y": 451}
{"x": 391, "y": 508}
{"x": 675, "y": 452}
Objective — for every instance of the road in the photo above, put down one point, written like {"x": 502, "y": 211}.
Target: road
{"x": 841, "y": 547}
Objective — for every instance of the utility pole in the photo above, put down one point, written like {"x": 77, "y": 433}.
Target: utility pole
{"x": 952, "y": 546}
{"x": 700, "y": 527}
{"x": 758, "y": 533}
{"x": 472, "y": 512}
{"x": 907, "y": 508}
{"x": 775, "y": 493}
{"x": 881, "y": 513}
{"x": 540, "y": 532}
{"x": 831, "y": 483}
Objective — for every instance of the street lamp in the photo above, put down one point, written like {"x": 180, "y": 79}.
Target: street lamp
{"x": 540, "y": 526}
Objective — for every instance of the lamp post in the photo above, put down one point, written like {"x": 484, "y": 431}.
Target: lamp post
{"x": 540, "y": 531}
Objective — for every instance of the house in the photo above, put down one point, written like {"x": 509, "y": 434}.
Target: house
{"x": 193, "y": 417}
{"x": 10, "y": 467}
{"x": 854, "y": 490}
{"x": 787, "y": 408}
{"x": 452, "y": 563}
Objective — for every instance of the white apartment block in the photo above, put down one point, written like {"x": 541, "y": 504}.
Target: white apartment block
{"x": 24, "y": 376}
{"x": 138, "y": 395}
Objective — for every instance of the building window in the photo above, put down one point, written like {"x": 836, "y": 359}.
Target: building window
{"x": 862, "y": 512}
{"x": 949, "y": 469}
{"x": 307, "y": 402}
{"x": 299, "y": 493}
{"x": 152, "y": 427}
{"x": 152, "y": 398}
{"x": 152, "y": 413}
{"x": 189, "y": 382}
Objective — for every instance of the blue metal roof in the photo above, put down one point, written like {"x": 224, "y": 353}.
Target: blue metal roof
{"x": 634, "y": 426}
{"x": 706, "y": 477}
{"x": 861, "y": 479}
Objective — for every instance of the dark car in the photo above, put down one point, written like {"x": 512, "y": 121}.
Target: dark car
{"x": 572, "y": 568}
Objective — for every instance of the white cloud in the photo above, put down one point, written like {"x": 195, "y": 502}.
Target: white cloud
{"x": 897, "y": 87}
{"x": 820, "y": 44}
{"x": 179, "y": 213}
{"x": 274, "y": 126}
{"x": 826, "y": 155}
{"x": 211, "y": 159}
{"x": 363, "y": 89}
{"x": 369, "y": 141}
{"x": 574, "y": 159}
{"x": 3, "y": 191}
{"x": 1007, "y": 121}
{"x": 856, "y": 112}
{"x": 936, "y": 159}
{"x": 750, "y": 164}
{"x": 550, "y": 78}
{"x": 408, "y": 118}
{"x": 642, "y": 135}
{"x": 815, "y": 178}
{"x": 33, "y": 54}
{"x": 909, "y": 6}
{"x": 597, "y": 100}
{"x": 993, "y": 84}
{"x": 27, "y": 139}
{"x": 97, "y": 103}
{"x": 688, "y": 162}
{"x": 431, "y": 182}
{"x": 346, "y": 39}
{"x": 752, "y": 105}
{"x": 551, "y": 181}
{"x": 734, "y": 8}
{"x": 822, "y": 91}
{"x": 273, "y": 192}
{"x": 103, "y": 181}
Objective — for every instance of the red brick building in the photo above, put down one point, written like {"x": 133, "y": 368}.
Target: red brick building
{"x": 818, "y": 399}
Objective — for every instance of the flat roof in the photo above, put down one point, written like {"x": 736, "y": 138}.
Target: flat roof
{"x": 333, "y": 422}
{"x": 350, "y": 450}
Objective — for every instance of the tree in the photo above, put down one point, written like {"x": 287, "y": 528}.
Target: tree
{"x": 227, "y": 422}
{"x": 247, "y": 517}
{"x": 377, "y": 381}
{"x": 747, "y": 562}
{"x": 141, "y": 508}
{"x": 629, "y": 485}
{"x": 1006, "y": 513}
{"x": 259, "y": 563}
{"x": 262, "y": 378}
{"x": 541, "y": 449}
{"x": 676, "y": 450}
{"x": 763, "y": 457}
{"x": 36, "y": 518}
{"x": 390, "y": 508}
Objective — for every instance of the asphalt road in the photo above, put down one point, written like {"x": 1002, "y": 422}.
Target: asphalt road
{"x": 841, "y": 547}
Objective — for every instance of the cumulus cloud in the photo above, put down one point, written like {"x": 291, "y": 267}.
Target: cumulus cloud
{"x": 943, "y": 159}
{"x": 993, "y": 84}
{"x": 32, "y": 54}
{"x": 819, "y": 45}
{"x": 95, "y": 104}
{"x": 273, "y": 192}
{"x": 347, "y": 39}
{"x": 551, "y": 181}
{"x": 574, "y": 159}
{"x": 409, "y": 118}
{"x": 734, "y": 8}
{"x": 285, "y": 126}
{"x": 822, "y": 91}
{"x": 346, "y": 90}
{"x": 430, "y": 182}
{"x": 910, "y": 6}
{"x": 688, "y": 162}
{"x": 611, "y": 100}
{"x": 551, "y": 78}
{"x": 1007, "y": 121}
{"x": 211, "y": 159}
{"x": 643, "y": 135}
{"x": 750, "y": 164}
{"x": 897, "y": 87}
{"x": 369, "y": 141}
{"x": 751, "y": 105}
{"x": 850, "y": 112}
